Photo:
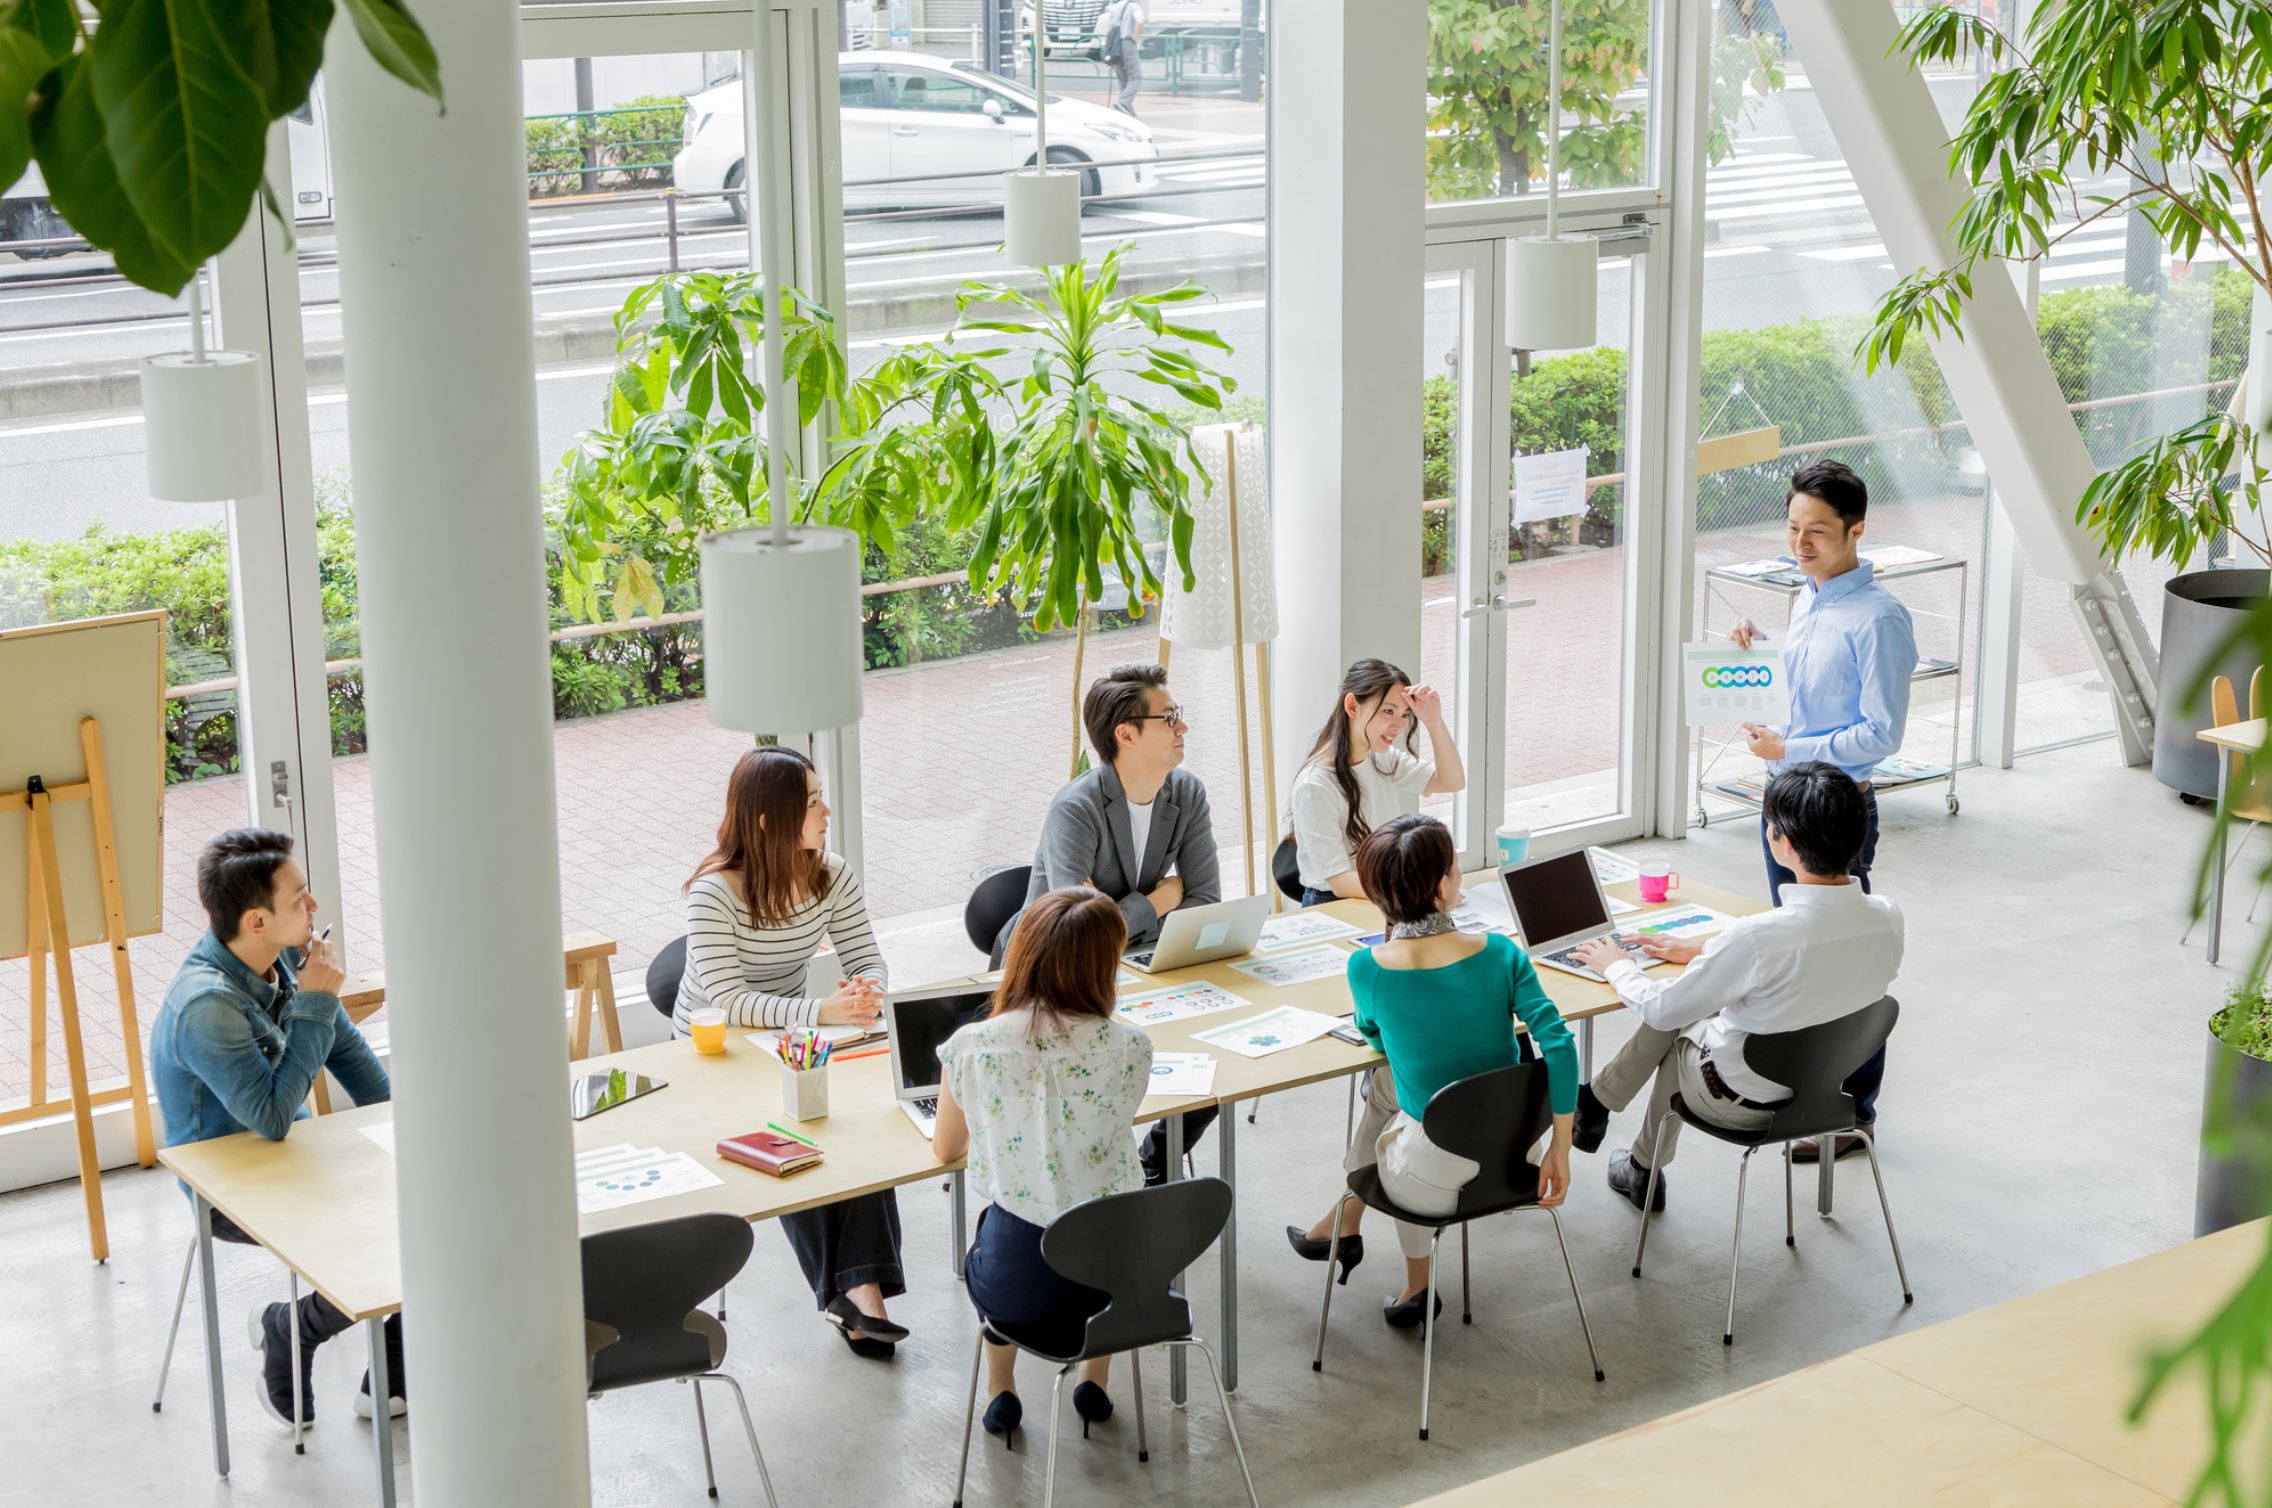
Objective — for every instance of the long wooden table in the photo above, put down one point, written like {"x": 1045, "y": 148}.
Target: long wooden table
{"x": 323, "y": 1199}
{"x": 2026, "y": 1402}
{"x": 2228, "y": 739}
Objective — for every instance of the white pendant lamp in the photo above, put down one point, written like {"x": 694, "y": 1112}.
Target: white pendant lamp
{"x": 780, "y": 605}
{"x": 1551, "y": 278}
{"x": 202, "y": 433}
{"x": 1041, "y": 205}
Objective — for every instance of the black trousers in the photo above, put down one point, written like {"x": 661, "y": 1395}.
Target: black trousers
{"x": 1864, "y": 1082}
{"x": 1154, "y": 1151}
{"x": 320, "y": 1319}
{"x": 846, "y": 1244}
{"x": 1012, "y": 1287}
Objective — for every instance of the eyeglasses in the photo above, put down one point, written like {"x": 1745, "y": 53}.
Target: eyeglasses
{"x": 1172, "y": 715}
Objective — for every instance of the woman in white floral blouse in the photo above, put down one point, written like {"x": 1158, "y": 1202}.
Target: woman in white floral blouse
{"x": 1041, "y": 1095}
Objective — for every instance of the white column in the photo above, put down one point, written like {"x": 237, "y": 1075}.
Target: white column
{"x": 1347, "y": 201}
{"x": 434, "y": 291}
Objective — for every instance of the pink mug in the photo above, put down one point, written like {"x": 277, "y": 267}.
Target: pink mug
{"x": 1656, "y": 882}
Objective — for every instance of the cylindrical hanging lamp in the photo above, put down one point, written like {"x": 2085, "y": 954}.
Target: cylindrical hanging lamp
{"x": 780, "y": 605}
{"x": 1041, "y": 204}
{"x": 1552, "y": 279}
{"x": 202, "y": 435}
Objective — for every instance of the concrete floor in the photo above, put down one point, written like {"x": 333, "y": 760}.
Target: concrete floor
{"x": 2039, "y": 1123}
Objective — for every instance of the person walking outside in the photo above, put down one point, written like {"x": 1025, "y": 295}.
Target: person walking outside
{"x": 1120, "y": 31}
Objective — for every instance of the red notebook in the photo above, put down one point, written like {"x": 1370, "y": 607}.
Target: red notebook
{"x": 769, "y": 1152}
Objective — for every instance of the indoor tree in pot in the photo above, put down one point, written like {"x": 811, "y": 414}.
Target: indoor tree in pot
{"x": 2168, "y": 99}
{"x": 2171, "y": 99}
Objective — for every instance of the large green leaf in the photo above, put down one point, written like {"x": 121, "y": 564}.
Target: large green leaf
{"x": 186, "y": 127}
{"x": 398, "y": 43}
{"x": 53, "y": 23}
{"x": 283, "y": 42}
{"x": 23, "y": 63}
{"x": 83, "y": 182}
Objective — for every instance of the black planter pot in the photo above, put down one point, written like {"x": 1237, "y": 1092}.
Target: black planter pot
{"x": 2199, "y": 609}
{"x": 2227, "y": 1192}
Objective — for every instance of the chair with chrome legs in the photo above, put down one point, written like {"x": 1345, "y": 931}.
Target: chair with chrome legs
{"x": 1491, "y": 1119}
{"x": 1130, "y": 1247}
{"x": 1813, "y": 1062}
{"x": 643, "y": 1323}
{"x": 298, "y": 1430}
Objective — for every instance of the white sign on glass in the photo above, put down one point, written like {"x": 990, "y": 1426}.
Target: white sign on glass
{"x": 1550, "y": 486}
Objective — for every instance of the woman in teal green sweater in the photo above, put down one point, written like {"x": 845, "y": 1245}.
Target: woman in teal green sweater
{"x": 1441, "y": 1004}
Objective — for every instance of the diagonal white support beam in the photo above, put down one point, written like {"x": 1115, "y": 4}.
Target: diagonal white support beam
{"x": 1891, "y": 134}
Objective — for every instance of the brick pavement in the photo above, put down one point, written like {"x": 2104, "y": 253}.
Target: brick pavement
{"x": 959, "y": 759}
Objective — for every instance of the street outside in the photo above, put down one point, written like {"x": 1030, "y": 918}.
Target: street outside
{"x": 959, "y": 756}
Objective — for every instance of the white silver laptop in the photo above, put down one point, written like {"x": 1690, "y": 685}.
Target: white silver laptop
{"x": 1202, "y": 934}
{"x": 1559, "y": 904}
{"x": 919, "y": 1023}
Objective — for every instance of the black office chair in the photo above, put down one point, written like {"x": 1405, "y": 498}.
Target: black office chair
{"x": 642, "y": 1286}
{"x": 1286, "y": 871}
{"x": 1130, "y": 1247}
{"x": 1000, "y": 896}
{"x": 664, "y": 971}
{"x": 1814, "y": 1061}
{"x": 1491, "y": 1119}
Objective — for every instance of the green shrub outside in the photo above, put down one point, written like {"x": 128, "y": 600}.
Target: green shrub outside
{"x": 635, "y": 143}
{"x": 1800, "y": 373}
{"x": 2245, "y": 1024}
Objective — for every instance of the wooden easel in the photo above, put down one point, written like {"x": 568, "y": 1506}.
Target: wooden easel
{"x": 1238, "y": 681}
{"x": 49, "y": 933}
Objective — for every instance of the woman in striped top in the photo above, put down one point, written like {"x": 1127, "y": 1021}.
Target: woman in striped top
{"x": 755, "y": 912}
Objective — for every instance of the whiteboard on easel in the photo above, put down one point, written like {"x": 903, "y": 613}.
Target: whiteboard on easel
{"x": 52, "y": 678}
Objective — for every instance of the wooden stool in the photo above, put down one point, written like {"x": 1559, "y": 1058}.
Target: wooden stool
{"x": 584, "y": 965}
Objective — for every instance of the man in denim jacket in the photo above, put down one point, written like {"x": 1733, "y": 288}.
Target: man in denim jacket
{"x": 251, "y": 1018}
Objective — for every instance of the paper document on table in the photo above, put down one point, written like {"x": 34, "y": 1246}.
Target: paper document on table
{"x": 619, "y": 1176}
{"x": 1610, "y": 867}
{"x": 1680, "y": 921}
{"x": 382, "y": 1133}
{"x": 1175, "y": 1002}
{"x": 1299, "y": 966}
{"x": 1272, "y": 1031}
{"x": 1726, "y": 685}
{"x": 1550, "y": 486}
{"x": 1886, "y": 557}
{"x": 1182, "y": 1075}
{"x": 1620, "y": 908}
{"x": 1302, "y": 927}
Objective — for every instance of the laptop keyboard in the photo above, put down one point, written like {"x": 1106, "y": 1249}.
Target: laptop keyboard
{"x": 1140, "y": 960}
{"x": 1569, "y": 958}
{"x": 928, "y": 1106}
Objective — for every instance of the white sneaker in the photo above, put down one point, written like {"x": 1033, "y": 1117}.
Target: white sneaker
{"x": 396, "y": 1408}
{"x": 256, "y": 1330}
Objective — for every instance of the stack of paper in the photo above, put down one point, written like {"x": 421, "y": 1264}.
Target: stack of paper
{"x": 1302, "y": 927}
{"x": 1272, "y": 1031}
{"x": 1175, "y": 1002}
{"x": 1297, "y": 966}
{"x": 611, "y": 1177}
{"x": 1182, "y": 1075}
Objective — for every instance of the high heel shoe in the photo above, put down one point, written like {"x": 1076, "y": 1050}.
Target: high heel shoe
{"x": 1092, "y": 1404}
{"x": 845, "y": 1315}
{"x": 1352, "y": 1250}
{"x": 1003, "y": 1416}
{"x": 1407, "y": 1315}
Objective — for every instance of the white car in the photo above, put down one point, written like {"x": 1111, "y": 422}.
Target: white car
{"x": 913, "y": 126}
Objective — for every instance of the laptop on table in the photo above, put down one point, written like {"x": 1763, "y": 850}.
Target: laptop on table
{"x": 919, "y": 1023}
{"x": 1558, "y": 904}
{"x": 1203, "y": 934}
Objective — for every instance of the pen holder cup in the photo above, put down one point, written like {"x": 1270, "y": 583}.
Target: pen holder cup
{"x": 804, "y": 1093}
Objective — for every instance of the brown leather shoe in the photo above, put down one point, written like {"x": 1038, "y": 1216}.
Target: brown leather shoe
{"x": 1806, "y": 1149}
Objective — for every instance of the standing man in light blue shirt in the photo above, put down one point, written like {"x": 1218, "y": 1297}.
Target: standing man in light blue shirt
{"x": 1848, "y": 658}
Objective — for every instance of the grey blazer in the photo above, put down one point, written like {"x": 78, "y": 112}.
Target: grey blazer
{"x": 1086, "y": 840}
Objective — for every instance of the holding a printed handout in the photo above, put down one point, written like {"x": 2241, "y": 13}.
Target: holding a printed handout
{"x": 1849, "y": 655}
{"x": 1442, "y": 1005}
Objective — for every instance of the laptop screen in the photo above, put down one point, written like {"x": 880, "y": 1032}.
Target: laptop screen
{"x": 923, "y": 1026}
{"x": 1554, "y": 898}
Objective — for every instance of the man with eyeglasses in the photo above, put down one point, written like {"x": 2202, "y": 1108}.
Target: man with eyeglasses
{"x": 1136, "y": 827}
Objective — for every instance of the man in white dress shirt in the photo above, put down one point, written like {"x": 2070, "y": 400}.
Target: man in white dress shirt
{"x": 1829, "y": 950}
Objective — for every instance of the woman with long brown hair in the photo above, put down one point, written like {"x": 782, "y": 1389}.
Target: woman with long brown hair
{"x": 1041, "y": 1094}
{"x": 1363, "y": 770}
{"x": 756, "y": 909}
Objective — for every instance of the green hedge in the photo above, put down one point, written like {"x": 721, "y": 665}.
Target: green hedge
{"x": 2099, "y": 340}
{"x": 635, "y": 143}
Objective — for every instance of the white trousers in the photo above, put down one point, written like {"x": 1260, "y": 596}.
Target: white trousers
{"x": 1415, "y": 1172}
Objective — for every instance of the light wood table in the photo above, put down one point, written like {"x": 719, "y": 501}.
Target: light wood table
{"x": 2022, "y": 1403}
{"x": 2229, "y": 739}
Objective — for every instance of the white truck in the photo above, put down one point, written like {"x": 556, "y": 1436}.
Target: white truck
{"x": 27, "y": 215}
{"x": 1072, "y": 24}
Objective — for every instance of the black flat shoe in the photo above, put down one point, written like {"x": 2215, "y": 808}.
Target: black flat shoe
{"x": 845, "y": 1315}
{"x": 1407, "y": 1315}
{"x": 1092, "y": 1404}
{"x": 1003, "y": 1416}
{"x": 1352, "y": 1250}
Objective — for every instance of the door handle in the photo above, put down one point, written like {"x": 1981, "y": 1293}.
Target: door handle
{"x": 903, "y": 131}
{"x": 1479, "y": 607}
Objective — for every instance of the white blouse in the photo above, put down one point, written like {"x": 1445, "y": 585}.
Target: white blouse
{"x": 756, "y": 974}
{"x": 1050, "y": 1117}
{"x": 1388, "y": 786}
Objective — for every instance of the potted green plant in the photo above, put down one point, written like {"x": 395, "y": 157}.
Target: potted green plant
{"x": 2165, "y": 98}
{"x": 2235, "y": 1179}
